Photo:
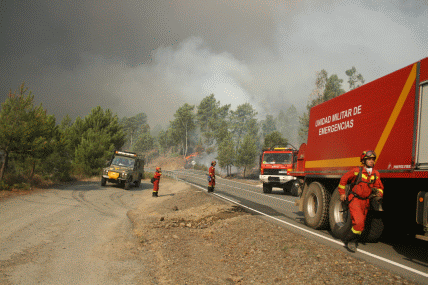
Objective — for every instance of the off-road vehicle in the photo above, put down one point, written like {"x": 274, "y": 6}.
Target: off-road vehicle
{"x": 124, "y": 168}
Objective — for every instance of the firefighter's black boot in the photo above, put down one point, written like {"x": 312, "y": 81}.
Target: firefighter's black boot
{"x": 157, "y": 194}
{"x": 351, "y": 241}
{"x": 154, "y": 194}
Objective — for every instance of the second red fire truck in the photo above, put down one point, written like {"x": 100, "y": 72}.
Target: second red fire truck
{"x": 275, "y": 166}
{"x": 388, "y": 115}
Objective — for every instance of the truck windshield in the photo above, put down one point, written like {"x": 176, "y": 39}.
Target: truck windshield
{"x": 277, "y": 158}
{"x": 123, "y": 161}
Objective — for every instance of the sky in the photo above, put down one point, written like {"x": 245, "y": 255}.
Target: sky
{"x": 153, "y": 56}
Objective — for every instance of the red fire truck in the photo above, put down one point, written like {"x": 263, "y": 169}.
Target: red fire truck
{"x": 388, "y": 115}
{"x": 275, "y": 165}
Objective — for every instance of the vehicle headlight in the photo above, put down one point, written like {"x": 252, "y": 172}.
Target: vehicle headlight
{"x": 124, "y": 174}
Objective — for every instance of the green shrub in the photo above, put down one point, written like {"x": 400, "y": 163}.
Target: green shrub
{"x": 4, "y": 186}
{"x": 21, "y": 186}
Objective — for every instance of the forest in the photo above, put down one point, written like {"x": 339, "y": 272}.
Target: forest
{"x": 34, "y": 147}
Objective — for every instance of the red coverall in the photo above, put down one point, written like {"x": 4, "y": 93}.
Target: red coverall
{"x": 211, "y": 172}
{"x": 359, "y": 207}
{"x": 157, "y": 177}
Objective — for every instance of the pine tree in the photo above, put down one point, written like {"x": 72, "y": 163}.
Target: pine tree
{"x": 100, "y": 128}
{"x": 243, "y": 121}
{"x": 226, "y": 153}
{"x": 211, "y": 117}
{"x": 25, "y": 131}
{"x": 144, "y": 143}
{"x": 247, "y": 153}
{"x": 274, "y": 139}
{"x": 183, "y": 125}
{"x": 326, "y": 88}
{"x": 133, "y": 127}
{"x": 93, "y": 151}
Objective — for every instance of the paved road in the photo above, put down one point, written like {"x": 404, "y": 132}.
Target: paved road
{"x": 408, "y": 258}
{"x": 73, "y": 235}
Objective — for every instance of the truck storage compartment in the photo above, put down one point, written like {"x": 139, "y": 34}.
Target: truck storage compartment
{"x": 422, "y": 144}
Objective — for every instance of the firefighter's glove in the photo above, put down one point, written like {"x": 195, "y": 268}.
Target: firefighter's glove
{"x": 376, "y": 203}
{"x": 375, "y": 193}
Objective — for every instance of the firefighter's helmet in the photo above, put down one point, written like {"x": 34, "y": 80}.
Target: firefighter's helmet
{"x": 367, "y": 154}
{"x": 158, "y": 168}
{"x": 213, "y": 163}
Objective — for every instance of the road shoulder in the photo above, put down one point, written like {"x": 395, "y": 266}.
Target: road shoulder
{"x": 189, "y": 236}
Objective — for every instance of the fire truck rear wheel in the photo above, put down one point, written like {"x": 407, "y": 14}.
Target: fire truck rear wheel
{"x": 340, "y": 221}
{"x": 315, "y": 206}
{"x": 267, "y": 188}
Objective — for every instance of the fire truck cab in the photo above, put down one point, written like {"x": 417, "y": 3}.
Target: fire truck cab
{"x": 275, "y": 165}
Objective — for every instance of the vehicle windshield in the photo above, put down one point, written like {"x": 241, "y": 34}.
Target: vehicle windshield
{"x": 277, "y": 158}
{"x": 123, "y": 161}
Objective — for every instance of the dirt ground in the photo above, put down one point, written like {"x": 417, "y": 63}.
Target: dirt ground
{"x": 190, "y": 237}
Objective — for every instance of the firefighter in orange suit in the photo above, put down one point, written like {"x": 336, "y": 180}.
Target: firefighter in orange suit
{"x": 358, "y": 198}
{"x": 157, "y": 177}
{"x": 211, "y": 178}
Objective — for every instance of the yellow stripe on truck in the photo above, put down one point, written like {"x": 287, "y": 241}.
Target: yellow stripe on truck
{"x": 339, "y": 162}
{"x": 353, "y": 161}
{"x": 398, "y": 106}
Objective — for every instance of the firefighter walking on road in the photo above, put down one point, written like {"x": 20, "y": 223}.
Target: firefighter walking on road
{"x": 367, "y": 184}
{"x": 156, "y": 181}
{"x": 211, "y": 178}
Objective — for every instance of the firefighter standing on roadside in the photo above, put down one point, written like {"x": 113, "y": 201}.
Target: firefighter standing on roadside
{"x": 211, "y": 179}
{"x": 157, "y": 177}
{"x": 358, "y": 199}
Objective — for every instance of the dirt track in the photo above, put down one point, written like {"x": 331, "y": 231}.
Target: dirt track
{"x": 78, "y": 234}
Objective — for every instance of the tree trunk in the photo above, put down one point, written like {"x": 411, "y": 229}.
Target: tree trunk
{"x": 33, "y": 169}
{"x": 4, "y": 165}
{"x": 182, "y": 147}
{"x": 185, "y": 154}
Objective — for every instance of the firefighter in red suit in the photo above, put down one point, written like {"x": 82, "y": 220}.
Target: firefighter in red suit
{"x": 211, "y": 179}
{"x": 358, "y": 198}
{"x": 157, "y": 177}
